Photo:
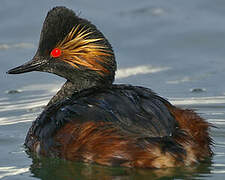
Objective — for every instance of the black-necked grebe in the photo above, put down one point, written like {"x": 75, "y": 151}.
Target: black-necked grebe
{"x": 91, "y": 119}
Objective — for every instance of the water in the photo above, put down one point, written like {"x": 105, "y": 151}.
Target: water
{"x": 174, "y": 47}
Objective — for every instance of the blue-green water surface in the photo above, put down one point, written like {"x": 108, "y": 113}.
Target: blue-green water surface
{"x": 175, "y": 47}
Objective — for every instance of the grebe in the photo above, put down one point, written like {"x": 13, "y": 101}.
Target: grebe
{"x": 90, "y": 119}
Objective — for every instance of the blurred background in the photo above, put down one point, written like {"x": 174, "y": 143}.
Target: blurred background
{"x": 174, "y": 47}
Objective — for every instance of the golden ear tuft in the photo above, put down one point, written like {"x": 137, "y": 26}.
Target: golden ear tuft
{"x": 79, "y": 48}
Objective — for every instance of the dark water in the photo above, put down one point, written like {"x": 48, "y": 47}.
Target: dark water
{"x": 174, "y": 47}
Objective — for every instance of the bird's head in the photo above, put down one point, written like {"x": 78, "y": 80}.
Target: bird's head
{"x": 73, "y": 48}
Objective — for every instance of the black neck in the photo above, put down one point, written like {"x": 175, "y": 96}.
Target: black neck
{"x": 70, "y": 88}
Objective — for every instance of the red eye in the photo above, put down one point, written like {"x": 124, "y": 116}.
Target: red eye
{"x": 56, "y": 52}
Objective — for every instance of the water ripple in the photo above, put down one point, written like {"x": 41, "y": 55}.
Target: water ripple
{"x": 126, "y": 72}
{"x": 12, "y": 171}
{"x": 22, "y": 45}
{"x": 214, "y": 100}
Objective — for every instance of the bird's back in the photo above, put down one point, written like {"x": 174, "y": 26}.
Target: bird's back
{"x": 135, "y": 110}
